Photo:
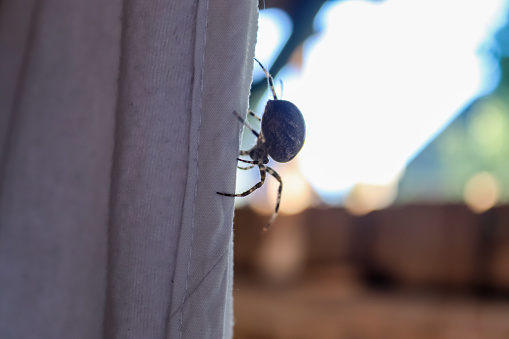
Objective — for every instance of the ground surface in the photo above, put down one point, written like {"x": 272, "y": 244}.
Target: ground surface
{"x": 331, "y": 303}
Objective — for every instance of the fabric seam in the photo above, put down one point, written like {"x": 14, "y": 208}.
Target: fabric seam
{"x": 195, "y": 114}
{"x": 108, "y": 311}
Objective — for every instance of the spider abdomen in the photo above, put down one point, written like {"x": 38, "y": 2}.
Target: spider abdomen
{"x": 284, "y": 130}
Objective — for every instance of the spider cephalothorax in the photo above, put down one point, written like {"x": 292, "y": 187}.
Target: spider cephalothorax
{"x": 281, "y": 137}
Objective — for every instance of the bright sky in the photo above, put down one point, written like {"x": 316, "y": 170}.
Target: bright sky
{"x": 380, "y": 80}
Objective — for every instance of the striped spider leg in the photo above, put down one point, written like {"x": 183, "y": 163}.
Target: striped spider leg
{"x": 259, "y": 159}
{"x": 263, "y": 171}
{"x": 281, "y": 137}
{"x": 278, "y": 199}
{"x": 272, "y": 172}
{"x": 270, "y": 79}
{"x": 251, "y": 113}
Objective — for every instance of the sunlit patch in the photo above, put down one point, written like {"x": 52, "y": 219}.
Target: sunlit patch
{"x": 296, "y": 196}
{"x": 379, "y": 82}
{"x": 365, "y": 198}
{"x": 274, "y": 28}
{"x": 297, "y": 193}
{"x": 482, "y": 192}
{"x": 283, "y": 251}
{"x": 488, "y": 127}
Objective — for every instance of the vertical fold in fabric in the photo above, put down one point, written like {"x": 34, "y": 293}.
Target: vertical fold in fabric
{"x": 116, "y": 132}
{"x": 223, "y": 59}
{"x": 186, "y": 65}
{"x": 150, "y": 168}
{"x": 58, "y": 85}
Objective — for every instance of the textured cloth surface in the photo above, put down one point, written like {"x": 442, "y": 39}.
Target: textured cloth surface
{"x": 116, "y": 130}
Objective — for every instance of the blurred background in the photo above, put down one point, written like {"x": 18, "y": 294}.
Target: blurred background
{"x": 394, "y": 220}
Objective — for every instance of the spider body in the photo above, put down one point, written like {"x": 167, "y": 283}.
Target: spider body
{"x": 282, "y": 136}
{"x": 284, "y": 130}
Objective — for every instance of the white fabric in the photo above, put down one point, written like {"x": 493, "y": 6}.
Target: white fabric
{"x": 116, "y": 131}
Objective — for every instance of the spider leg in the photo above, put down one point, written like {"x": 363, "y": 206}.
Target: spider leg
{"x": 250, "y": 161}
{"x": 278, "y": 200}
{"x": 246, "y": 124}
{"x": 244, "y": 153}
{"x": 252, "y": 189}
{"x": 251, "y": 113}
{"x": 269, "y": 77}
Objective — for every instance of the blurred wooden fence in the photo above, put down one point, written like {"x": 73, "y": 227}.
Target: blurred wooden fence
{"x": 444, "y": 246}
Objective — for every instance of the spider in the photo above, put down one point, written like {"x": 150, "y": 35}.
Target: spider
{"x": 281, "y": 137}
